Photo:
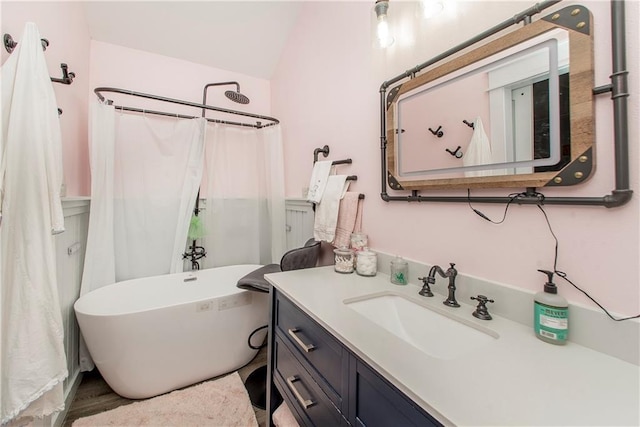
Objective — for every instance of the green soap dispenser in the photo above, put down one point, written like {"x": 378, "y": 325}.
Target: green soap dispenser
{"x": 550, "y": 313}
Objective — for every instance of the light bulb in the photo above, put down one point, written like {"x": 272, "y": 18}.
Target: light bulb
{"x": 383, "y": 35}
{"x": 382, "y": 31}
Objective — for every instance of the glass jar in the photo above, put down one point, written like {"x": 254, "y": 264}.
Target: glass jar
{"x": 366, "y": 263}
{"x": 399, "y": 271}
{"x": 359, "y": 241}
{"x": 343, "y": 260}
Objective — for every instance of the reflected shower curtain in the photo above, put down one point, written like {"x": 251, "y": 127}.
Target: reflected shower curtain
{"x": 145, "y": 174}
{"x": 244, "y": 215}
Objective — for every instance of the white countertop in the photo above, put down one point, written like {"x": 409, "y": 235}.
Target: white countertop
{"x": 515, "y": 380}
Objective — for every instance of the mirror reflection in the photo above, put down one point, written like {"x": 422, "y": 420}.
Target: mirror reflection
{"x": 529, "y": 96}
{"x": 506, "y": 114}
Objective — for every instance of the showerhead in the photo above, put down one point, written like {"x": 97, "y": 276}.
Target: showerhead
{"x": 236, "y": 96}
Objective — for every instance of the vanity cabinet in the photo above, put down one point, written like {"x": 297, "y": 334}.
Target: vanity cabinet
{"x": 323, "y": 382}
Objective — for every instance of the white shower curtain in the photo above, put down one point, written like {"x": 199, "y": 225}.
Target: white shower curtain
{"x": 33, "y": 362}
{"x": 145, "y": 175}
{"x": 158, "y": 168}
{"x": 244, "y": 215}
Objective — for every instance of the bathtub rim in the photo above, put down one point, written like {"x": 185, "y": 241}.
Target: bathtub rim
{"x": 87, "y": 298}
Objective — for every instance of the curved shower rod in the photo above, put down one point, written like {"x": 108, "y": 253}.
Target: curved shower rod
{"x": 98, "y": 91}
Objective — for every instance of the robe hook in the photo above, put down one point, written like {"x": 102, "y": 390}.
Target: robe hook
{"x": 10, "y": 43}
{"x": 457, "y": 153}
{"x": 471, "y": 125}
{"x": 67, "y": 76}
{"x": 438, "y": 132}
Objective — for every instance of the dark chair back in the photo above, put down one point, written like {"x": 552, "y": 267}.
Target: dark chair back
{"x": 299, "y": 258}
{"x": 295, "y": 259}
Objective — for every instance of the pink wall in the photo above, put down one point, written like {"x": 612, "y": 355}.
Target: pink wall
{"x": 326, "y": 91}
{"x": 69, "y": 44}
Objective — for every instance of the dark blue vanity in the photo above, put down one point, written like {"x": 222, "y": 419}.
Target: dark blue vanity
{"x": 323, "y": 382}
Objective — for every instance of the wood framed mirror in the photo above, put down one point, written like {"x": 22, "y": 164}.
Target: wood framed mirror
{"x": 528, "y": 95}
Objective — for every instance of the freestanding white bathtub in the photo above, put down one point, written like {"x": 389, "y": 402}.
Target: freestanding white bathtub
{"x": 156, "y": 334}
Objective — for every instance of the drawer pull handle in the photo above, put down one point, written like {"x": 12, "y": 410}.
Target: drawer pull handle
{"x": 305, "y": 347}
{"x": 306, "y": 403}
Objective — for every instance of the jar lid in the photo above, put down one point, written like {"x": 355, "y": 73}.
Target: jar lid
{"x": 343, "y": 251}
{"x": 366, "y": 252}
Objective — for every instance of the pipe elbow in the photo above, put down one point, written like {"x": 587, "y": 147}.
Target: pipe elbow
{"x": 384, "y": 196}
{"x": 618, "y": 198}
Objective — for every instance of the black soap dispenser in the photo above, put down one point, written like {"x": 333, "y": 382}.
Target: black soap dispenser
{"x": 550, "y": 313}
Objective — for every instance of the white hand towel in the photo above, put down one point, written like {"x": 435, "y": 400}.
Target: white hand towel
{"x": 324, "y": 228}
{"x": 318, "y": 182}
{"x": 479, "y": 151}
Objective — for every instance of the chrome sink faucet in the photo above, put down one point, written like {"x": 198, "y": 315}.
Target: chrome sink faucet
{"x": 451, "y": 273}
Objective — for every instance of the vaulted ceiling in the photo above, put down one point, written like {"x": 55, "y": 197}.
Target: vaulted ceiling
{"x": 241, "y": 36}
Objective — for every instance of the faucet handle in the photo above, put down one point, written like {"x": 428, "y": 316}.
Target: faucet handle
{"x": 481, "y": 310}
{"x": 426, "y": 289}
{"x": 452, "y": 269}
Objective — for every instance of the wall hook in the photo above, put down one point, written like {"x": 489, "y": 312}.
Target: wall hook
{"x": 67, "y": 76}
{"x": 10, "y": 43}
{"x": 324, "y": 150}
{"x": 471, "y": 125}
{"x": 457, "y": 153}
{"x": 438, "y": 132}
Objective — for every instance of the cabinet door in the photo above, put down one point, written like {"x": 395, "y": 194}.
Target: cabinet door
{"x": 376, "y": 403}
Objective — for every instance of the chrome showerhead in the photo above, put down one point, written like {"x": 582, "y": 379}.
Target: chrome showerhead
{"x": 236, "y": 96}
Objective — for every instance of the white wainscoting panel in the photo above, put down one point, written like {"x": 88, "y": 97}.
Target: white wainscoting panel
{"x": 299, "y": 220}
{"x": 70, "y": 250}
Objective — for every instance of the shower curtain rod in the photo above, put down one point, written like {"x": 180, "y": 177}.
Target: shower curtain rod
{"x": 257, "y": 125}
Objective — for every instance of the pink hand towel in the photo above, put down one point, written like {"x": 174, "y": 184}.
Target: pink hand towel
{"x": 349, "y": 218}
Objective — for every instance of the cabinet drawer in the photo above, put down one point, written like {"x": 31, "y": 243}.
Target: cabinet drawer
{"x": 323, "y": 352}
{"x": 302, "y": 394}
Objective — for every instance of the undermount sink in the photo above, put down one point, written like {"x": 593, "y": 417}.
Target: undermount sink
{"x": 435, "y": 333}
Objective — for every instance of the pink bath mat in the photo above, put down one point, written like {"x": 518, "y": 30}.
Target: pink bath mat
{"x": 223, "y": 402}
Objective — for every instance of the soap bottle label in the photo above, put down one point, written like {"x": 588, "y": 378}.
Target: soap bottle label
{"x": 551, "y": 322}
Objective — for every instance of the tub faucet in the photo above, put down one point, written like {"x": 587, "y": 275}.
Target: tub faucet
{"x": 451, "y": 273}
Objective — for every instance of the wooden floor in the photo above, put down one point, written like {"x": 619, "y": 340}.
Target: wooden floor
{"x": 95, "y": 396}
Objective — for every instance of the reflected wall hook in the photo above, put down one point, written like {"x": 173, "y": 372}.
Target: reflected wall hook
{"x": 10, "y": 43}
{"x": 471, "y": 125}
{"x": 438, "y": 132}
{"x": 457, "y": 153}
